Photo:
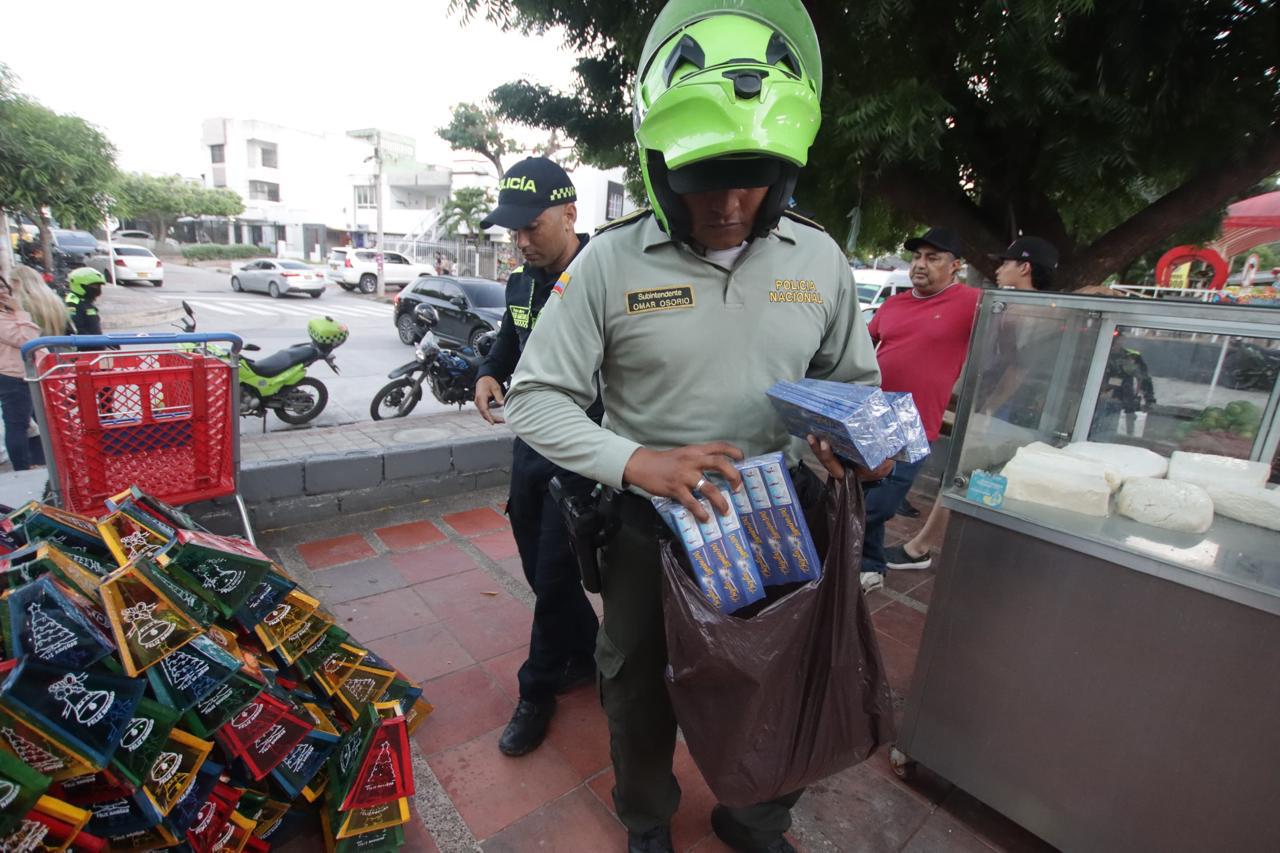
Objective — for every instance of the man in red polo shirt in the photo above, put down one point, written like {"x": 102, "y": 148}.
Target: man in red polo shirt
{"x": 921, "y": 337}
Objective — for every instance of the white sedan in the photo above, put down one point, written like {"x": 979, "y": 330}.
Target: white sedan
{"x": 278, "y": 278}
{"x": 129, "y": 263}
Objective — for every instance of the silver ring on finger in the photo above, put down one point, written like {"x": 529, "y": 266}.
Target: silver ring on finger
{"x": 702, "y": 481}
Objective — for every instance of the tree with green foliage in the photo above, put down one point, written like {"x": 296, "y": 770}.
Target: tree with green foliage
{"x": 475, "y": 129}
{"x": 1102, "y": 127}
{"x": 51, "y": 162}
{"x": 159, "y": 201}
{"x": 466, "y": 208}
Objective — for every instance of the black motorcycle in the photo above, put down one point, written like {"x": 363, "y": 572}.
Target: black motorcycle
{"x": 451, "y": 374}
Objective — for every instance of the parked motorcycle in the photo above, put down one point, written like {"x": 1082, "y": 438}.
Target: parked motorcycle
{"x": 279, "y": 382}
{"x": 451, "y": 374}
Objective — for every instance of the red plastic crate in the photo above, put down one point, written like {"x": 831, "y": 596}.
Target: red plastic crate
{"x": 162, "y": 421}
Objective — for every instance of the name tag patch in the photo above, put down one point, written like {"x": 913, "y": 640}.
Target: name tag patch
{"x": 659, "y": 299}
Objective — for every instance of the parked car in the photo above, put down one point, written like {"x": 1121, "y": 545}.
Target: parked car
{"x": 130, "y": 263}
{"x": 875, "y": 286}
{"x": 278, "y": 278}
{"x": 351, "y": 268}
{"x": 73, "y": 248}
{"x": 468, "y": 307}
{"x": 134, "y": 238}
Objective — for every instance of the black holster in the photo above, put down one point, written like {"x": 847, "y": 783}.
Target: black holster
{"x": 587, "y": 516}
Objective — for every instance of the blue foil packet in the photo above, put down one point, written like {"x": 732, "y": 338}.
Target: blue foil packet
{"x": 917, "y": 440}
{"x": 856, "y": 420}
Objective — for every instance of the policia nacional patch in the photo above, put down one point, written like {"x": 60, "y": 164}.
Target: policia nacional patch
{"x": 659, "y": 299}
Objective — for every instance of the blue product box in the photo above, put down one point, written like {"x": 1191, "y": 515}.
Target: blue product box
{"x": 776, "y": 510}
{"x": 987, "y": 489}
{"x": 709, "y": 554}
{"x": 916, "y": 447}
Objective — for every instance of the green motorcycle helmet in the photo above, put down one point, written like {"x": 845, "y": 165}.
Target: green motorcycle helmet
{"x": 327, "y": 332}
{"x": 727, "y": 95}
{"x": 80, "y": 280}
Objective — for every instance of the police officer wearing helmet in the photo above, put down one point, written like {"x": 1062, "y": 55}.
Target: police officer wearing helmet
{"x": 536, "y": 203}
{"x": 688, "y": 313}
{"x": 84, "y": 286}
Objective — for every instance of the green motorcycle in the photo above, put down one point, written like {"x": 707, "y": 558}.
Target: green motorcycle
{"x": 279, "y": 382}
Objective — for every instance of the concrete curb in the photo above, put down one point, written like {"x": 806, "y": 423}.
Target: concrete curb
{"x": 313, "y": 488}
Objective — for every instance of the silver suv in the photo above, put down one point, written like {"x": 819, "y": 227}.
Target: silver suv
{"x": 353, "y": 268}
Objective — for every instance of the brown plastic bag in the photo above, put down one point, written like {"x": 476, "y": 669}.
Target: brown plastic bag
{"x": 793, "y": 694}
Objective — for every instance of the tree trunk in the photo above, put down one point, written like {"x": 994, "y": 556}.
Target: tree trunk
{"x": 497, "y": 163}
{"x": 46, "y": 242}
{"x": 1144, "y": 231}
{"x": 6, "y": 251}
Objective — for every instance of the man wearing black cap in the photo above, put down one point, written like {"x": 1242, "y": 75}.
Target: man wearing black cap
{"x": 1027, "y": 264}
{"x": 536, "y": 203}
{"x": 922, "y": 338}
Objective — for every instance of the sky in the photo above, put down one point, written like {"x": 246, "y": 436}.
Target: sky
{"x": 149, "y": 72}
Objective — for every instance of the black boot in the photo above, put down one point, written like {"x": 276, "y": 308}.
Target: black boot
{"x": 740, "y": 838}
{"x": 527, "y": 728}
{"x": 656, "y": 840}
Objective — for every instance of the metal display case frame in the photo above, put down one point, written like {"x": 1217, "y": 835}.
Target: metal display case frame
{"x": 1105, "y": 697}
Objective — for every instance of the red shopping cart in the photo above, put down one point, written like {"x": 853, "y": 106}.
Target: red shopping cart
{"x": 150, "y": 414}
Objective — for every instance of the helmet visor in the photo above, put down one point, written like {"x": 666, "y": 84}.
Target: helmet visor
{"x": 725, "y": 173}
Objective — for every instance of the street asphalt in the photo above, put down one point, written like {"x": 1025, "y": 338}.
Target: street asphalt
{"x": 364, "y": 360}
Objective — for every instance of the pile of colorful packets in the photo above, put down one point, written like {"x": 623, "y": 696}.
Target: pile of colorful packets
{"x": 165, "y": 687}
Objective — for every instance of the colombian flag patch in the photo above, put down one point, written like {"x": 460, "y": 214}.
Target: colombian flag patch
{"x": 561, "y": 283}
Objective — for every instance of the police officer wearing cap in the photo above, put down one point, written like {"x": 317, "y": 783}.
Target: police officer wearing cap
{"x": 1027, "y": 264}
{"x": 687, "y": 313}
{"x": 536, "y": 203}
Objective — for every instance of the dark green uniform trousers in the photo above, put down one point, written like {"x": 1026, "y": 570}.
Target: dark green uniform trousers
{"x": 631, "y": 654}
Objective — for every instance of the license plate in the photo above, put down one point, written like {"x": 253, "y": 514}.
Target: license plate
{"x": 143, "y": 274}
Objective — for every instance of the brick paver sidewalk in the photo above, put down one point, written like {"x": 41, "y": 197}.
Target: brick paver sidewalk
{"x": 443, "y": 597}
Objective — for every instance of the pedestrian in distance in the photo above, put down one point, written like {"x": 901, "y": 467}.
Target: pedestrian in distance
{"x": 681, "y": 317}
{"x": 16, "y": 328}
{"x": 536, "y": 204}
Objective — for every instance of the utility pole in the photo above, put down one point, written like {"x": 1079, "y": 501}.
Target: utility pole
{"x": 377, "y": 158}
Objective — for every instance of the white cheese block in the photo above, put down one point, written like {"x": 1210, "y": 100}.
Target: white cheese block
{"x": 1126, "y": 460}
{"x": 1039, "y": 478}
{"x": 1184, "y": 507}
{"x": 1206, "y": 469}
{"x": 1039, "y": 453}
{"x": 1250, "y": 505}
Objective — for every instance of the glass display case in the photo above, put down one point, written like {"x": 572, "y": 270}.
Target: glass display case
{"x": 1059, "y": 375}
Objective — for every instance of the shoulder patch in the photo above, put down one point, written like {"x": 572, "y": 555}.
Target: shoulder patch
{"x": 803, "y": 220}
{"x": 629, "y": 219}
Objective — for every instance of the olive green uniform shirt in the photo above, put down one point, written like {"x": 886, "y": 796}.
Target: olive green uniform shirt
{"x": 684, "y": 349}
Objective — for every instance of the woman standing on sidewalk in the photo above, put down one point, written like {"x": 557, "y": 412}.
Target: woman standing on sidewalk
{"x": 16, "y": 328}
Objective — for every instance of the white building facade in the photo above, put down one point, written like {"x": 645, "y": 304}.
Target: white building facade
{"x": 306, "y": 192}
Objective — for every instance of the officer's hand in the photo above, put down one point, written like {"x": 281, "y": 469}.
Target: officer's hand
{"x": 675, "y": 473}
{"x": 488, "y": 390}
{"x": 835, "y": 467}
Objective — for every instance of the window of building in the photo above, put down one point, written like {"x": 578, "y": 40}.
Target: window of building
{"x": 264, "y": 191}
{"x": 614, "y": 201}
{"x": 366, "y": 196}
{"x": 270, "y": 157}
{"x": 218, "y": 153}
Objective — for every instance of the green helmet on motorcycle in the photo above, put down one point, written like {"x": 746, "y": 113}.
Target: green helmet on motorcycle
{"x": 727, "y": 96}
{"x": 85, "y": 281}
{"x": 326, "y": 331}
